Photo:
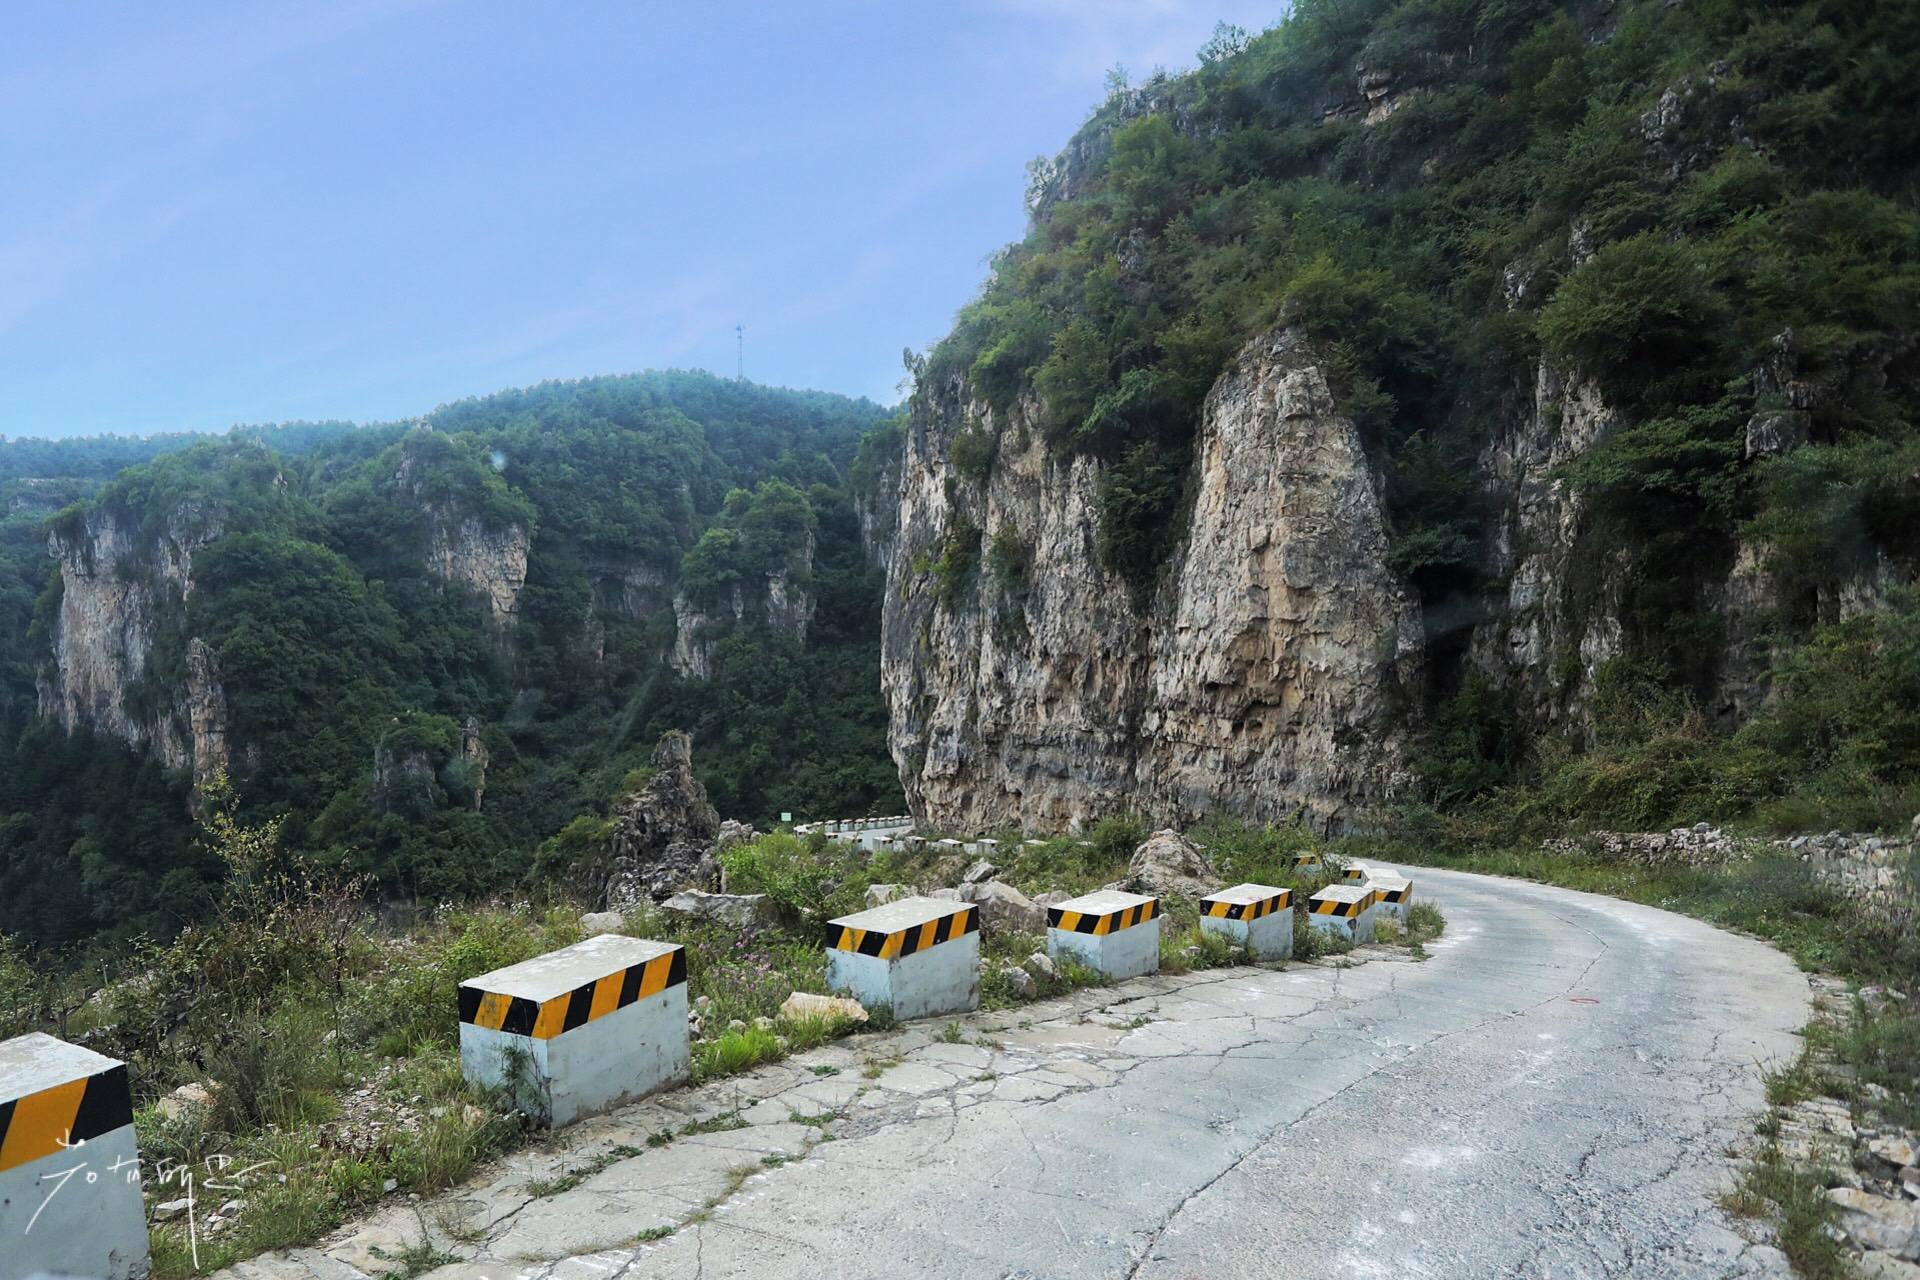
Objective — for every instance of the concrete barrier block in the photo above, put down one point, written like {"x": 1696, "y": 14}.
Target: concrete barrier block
{"x": 916, "y": 956}
{"x": 69, "y": 1168}
{"x": 1258, "y": 917}
{"x": 1396, "y": 894}
{"x": 581, "y": 1029}
{"x": 1309, "y": 861}
{"x": 1114, "y": 933}
{"x": 1344, "y": 909}
{"x": 1357, "y": 873}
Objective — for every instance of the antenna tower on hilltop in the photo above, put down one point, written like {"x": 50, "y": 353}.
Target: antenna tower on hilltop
{"x": 740, "y": 353}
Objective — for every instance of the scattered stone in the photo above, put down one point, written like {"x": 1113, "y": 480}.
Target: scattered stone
{"x": 1875, "y": 1222}
{"x": 171, "y": 1209}
{"x": 1052, "y": 897}
{"x": 1041, "y": 965}
{"x": 188, "y": 1097}
{"x": 806, "y": 1004}
{"x": 390, "y": 1185}
{"x": 1884, "y": 1266}
{"x": 1004, "y": 907}
{"x": 879, "y": 895}
{"x": 471, "y": 1116}
{"x": 979, "y": 873}
{"x": 737, "y": 909}
{"x": 603, "y": 922}
{"x": 1894, "y": 1149}
{"x": 1167, "y": 862}
{"x": 763, "y": 1023}
{"x": 231, "y": 1209}
{"x": 1019, "y": 981}
{"x": 736, "y": 1026}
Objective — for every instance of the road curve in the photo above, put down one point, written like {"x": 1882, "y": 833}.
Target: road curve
{"x": 1550, "y": 1095}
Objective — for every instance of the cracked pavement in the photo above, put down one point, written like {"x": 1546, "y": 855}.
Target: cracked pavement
{"x": 1552, "y": 1094}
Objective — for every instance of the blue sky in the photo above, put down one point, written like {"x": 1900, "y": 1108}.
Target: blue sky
{"x": 221, "y": 213}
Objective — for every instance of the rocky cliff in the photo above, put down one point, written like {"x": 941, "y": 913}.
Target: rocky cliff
{"x": 1268, "y": 675}
{"x": 782, "y": 604}
{"x": 123, "y": 590}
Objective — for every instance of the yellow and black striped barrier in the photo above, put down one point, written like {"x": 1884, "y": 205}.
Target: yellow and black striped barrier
{"x": 1346, "y": 909}
{"x": 891, "y": 944}
{"x": 581, "y": 1029}
{"x": 1258, "y": 917}
{"x": 1113, "y": 933}
{"x": 545, "y": 1019}
{"x": 916, "y": 957}
{"x": 1356, "y": 873}
{"x": 1232, "y": 904}
{"x": 70, "y": 1200}
{"x": 1308, "y": 861}
{"x": 1100, "y": 923}
{"x": 1396, "y": 894}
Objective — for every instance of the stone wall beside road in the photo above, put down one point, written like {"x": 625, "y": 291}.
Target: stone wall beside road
{"x": 1882, "y": 871}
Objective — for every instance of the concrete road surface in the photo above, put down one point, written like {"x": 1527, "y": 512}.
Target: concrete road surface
{"x": 1552, "y": 1094}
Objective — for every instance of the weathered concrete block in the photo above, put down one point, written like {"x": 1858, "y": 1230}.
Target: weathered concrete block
{"x": 1396, "y": 894}
{"x": 916, "y": 956}
{"x": 581, "y": 1029}
{"x": 1258, "y": 917}
{"x": 1308, "y": 861}
{"x": 1345, "y": 909}
{"x": 1357, "y": 873}
{"x": 1114, "y": 933}
{"x": 69, "y": 1169}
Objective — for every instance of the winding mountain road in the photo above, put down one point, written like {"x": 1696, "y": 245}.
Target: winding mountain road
{"x": 1552, "y": 1094}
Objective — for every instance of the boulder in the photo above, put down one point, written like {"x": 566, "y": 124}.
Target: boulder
{"x": 1167, "y": 862}
{"x": 1052, "y": 898}
{"x": 1041, "y": 965}
{"x": 736, "y": 909}
{"x": 188, "y": 1097}
{"x": 879, "y": 895}
{"x": 1884, "y": 1266}
{"x": 1004, "y": 907}
{"x": 1897, "y": 1150}
{"x": 805, "y": 1004}
{"x": 979, "y": 873}
{"x": 1019, "y": 981}
{"x": 1874, "y": 1222}
{"x": 603, "y": 922}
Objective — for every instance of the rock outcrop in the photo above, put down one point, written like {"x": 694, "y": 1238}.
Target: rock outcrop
{"x": 782, "y": 606}
{"x": 662, "y": 833}
{"x": 486, "y": 557}
{"x": 1269, "y": 673}
{"x": 124, "y": 584}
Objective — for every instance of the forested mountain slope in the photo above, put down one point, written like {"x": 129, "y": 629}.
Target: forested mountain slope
{"x": 430, "y": 646}
{"x": 1426, "y": 395}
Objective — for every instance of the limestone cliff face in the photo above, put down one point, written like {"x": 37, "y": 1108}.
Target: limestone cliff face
{"x": 487, "y": 558}
{"x": 122, "y": 589}
{"x": 783, "y": 605}
{"x": 1556, "y": 623}
{"x": 1267, "y": 675}
{"x": 490, "y": 562}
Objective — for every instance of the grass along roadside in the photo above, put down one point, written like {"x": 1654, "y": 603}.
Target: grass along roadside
{"x": 328, "y": 1043}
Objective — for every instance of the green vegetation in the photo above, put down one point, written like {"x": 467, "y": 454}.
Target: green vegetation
{"x": 1704, "y": 211}
{"x": 400, "y": 732}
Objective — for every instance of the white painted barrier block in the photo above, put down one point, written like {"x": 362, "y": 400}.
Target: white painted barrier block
{"x": 1308, "y": 861}
{"x": 1257, "y": 916}
{"x": 1114, "y": 933}
{"x": 1396, "y": 894}
{"x": 579, "y": 1030}
{"x": 918, "y": 957}
{"x": 69, "y": 1168}
{"x": 1345, "y": 909}
{"x": 1357, "y": 873}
